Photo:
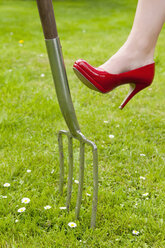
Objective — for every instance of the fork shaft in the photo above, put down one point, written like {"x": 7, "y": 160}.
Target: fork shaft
{"x": 61, "y": 85}
{"x": 45, "y": 8}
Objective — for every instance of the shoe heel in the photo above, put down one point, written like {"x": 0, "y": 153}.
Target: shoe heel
{"x": 134, "y": 89}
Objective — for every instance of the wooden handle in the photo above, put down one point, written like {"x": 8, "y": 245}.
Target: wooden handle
{"x": 47, "y": 17}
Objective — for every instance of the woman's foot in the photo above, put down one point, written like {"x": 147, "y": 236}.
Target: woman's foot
{"x": 127, "y": 58}
{"x": 104, "y": 82}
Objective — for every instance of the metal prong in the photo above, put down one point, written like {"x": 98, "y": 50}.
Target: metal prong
{"x": 83, "y": 140}
{"x": 81, "y": 178}
{"x": 61, "y": 154}
{"x": 95, "y": 186}
{"x": 70, "y": 176}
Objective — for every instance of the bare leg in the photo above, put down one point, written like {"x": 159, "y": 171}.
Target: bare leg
{"x": 139, "y": 48}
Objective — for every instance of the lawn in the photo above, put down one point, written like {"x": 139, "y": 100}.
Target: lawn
{"x": 131, "y": 165}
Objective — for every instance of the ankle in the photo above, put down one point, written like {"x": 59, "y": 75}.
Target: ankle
{"x": 139, "y": 49}
{"x": 130, "y": 56}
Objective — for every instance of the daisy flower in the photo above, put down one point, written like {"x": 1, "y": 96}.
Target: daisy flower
{"x": 28, "y": 171}
{"x": 25, "y": 200}
{"x": 111, "y": 136}
{"x": 42, "y": 75}
{"x": 76, "y": 181}
{"x": 72, "y": 224}
{"x": 88, "y": 194}
{"x": 6, "y": 185}
{"x": 47, "y": 207}
{"x": 142, "y": 155}
{"x": 145, "y": 194}
{"x": 20, "y": 210}
{"x": 143, "y": 178}
{"x": 134, "y": 232}
{"x": 62, "y": 207}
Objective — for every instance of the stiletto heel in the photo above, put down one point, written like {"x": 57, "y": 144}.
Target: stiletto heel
{"x": 134, "y": 89}
{"x": 99, "y": 80}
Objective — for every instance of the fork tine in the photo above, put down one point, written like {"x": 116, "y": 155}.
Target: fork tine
{"x": 81, "y": 173}
{"x": 70, "y": 176}
{"x": 95, "y": 186}
{"x": 81, "y": 178}
{"x": 61, "y": 158}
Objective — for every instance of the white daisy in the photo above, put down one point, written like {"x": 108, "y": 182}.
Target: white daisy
{"x": 76, "y": 181}
{"x": 47, "y": 207}
{"x": 25, "y": 200}
{"x": 88, "y": 194}
{"x": 42, "y": 75}
{"x": 145, "y": 194}
{"x": 16, "y": 221}
{"x": 20, "y": 210}
{"x": 6, "y": 185}
{"x": 142, "y": 155}
{"x": 142, "y": 178}
{"x": 4, "y": 196}
{"x": 72, "y": 224}
{"x": 111, "y": 136}
{"x": 52, "y": 171}
{"x": 28, "y": 171}
{"x": 134, "y": 232}
{"x": 62, "y": 207}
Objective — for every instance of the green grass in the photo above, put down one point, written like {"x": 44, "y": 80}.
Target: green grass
{"x": 30, "y": 119}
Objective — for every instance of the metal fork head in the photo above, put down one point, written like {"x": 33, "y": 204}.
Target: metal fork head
{"x": 82, "y": 141}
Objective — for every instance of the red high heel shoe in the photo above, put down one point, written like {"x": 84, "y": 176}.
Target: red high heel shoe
{"x": 102, "y": 81}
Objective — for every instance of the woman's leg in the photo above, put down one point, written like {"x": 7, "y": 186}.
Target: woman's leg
{"x": 139, "y": 48}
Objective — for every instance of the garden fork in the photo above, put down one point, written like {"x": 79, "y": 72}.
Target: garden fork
{"x": 54, "y": 50}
